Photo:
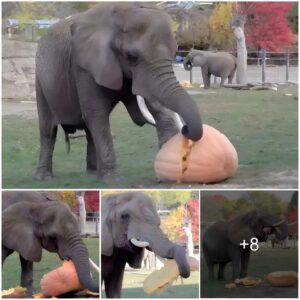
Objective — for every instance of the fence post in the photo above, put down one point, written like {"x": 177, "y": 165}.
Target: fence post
{"x": 287, "y": 64}
{"x": 191, "y": 76}
{"x": 263, "y": 66}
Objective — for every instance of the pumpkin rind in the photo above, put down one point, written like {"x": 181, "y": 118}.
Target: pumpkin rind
{"x": 61, "y": 280}
{"x": 282, "y": 278}
{"x": 213, "y": 159}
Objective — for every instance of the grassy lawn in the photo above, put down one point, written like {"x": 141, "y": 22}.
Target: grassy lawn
{"x": 261, "y": 124}
{"x": 133, "y": 287}
{"x": 262, "y": 262}
{"x": 11, "y": 270}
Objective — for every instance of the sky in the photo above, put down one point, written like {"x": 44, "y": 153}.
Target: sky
{"x": 233, "y": 195}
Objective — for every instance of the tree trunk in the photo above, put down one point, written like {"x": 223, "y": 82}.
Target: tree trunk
{"x": 82, "y": 211}
{"x": 241, "y": 70}
{"x": 189, "y": 237}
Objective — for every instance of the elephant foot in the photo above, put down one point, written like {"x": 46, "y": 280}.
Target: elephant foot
{"x": 42, "y": 175}
{"x": 92, "y": 172}
{"x": 111, "y": 177}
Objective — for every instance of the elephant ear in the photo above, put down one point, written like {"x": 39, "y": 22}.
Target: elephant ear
{"x": 18, "y": 231}
{"x": 239, "y": 229}
{"x": 107, "y": 243}
{"x": 93, "y": 51}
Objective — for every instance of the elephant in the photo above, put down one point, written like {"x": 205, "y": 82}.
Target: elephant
{"x": 89, "y": 62}
{"x": 33, "y": 221}
{"x": 221, "y": 241}
{"x": 220, "y": 64}
{"x": 130, "y": 224}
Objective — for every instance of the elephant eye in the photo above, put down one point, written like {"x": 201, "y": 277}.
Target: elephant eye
{"x": 132, "y": 58}
{"x": 125, "y": 217}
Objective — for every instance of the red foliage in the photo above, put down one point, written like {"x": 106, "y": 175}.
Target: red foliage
{"x": 91, "y": 199}
{"x": 266, "y": 25}
{"x": 193, "y": 208}
{"x": 292, "y": 219}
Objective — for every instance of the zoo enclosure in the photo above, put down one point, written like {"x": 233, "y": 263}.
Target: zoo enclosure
{"x": 258, "y": 63}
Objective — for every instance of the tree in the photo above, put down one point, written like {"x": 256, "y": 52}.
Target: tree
{"x": 91, "y": 199}
{"x": 68, "y": 197}
{"x": 29, "y": 11}
{"x": 267, "y": 25}
{"x": 221, "y": 35}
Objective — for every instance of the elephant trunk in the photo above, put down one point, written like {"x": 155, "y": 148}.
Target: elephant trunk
{"x": 78, "y": 253}
{"x": 163, "y": 86}
{"x": 281, "y": 230}
{"x": 162, "y": 246}
{"x": 187, "y": 64}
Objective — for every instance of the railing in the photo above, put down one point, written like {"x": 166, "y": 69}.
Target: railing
{"x": 262, "y": 59}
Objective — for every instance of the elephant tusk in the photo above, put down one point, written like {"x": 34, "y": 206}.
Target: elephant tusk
{"x": 137, "y": 243}
{"x": 278, "y": 230}
{"x": 94, "y": 266}
{"x": 278, "y": 223}
{"x": 178, "y": 121}
{"x": 144, "y": 110}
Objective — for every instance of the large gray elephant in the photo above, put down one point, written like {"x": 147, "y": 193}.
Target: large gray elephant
{"x": 222, "y": 240}
{"x": 90, "y": 61}
{"x": 31, "y": 222}
{"x": 220, "y": 64}
{"x": 129, "y": 224}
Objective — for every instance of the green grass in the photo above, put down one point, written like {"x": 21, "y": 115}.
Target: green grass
{"x": 133, "y": 287}
{"x": 262, "y": 262}
{"x": 11, "y": 270}
{"x": 261, "y": 124}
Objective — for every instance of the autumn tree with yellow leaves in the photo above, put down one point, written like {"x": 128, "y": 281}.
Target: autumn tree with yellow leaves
{"x": 221, "y": 34}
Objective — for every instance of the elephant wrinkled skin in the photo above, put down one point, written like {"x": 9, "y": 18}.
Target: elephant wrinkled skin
{"x": 129, "y": 224}
{"x": 220, "y": 64}
{"x": 86, "y": 63}
{"x": 31, "y": 222}
{"x": 221, "y": 241}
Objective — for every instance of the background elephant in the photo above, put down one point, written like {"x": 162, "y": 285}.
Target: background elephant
{"x": 129, "y": 224}
{"x": 220, "y": 64}
{"x": 90, "y": 61}
{"x": 221, "y": 241}
{"x": 32, "y": 221}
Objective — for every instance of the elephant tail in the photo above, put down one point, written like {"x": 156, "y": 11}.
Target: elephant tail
{"x": 67, "y": 130}
{"x": 67, "y": 140}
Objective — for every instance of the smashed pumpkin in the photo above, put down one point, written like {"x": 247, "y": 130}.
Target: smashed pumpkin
{"x": 211, "y": 159}
{"x": 282, "y": 278}
{"x": 61, "y": 280}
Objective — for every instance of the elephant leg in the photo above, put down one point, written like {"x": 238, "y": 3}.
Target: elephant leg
{"x": 48, "y": 131}
{"x": 244, "y": 262}
{"x": 222, "y": 81}
{"x": 221, "y": 275}
{"x": 27, "y": 275}
{"x": 235, "y": 257}
{"x": 206, "y": 77}
{"x": 96, "y": 106}
{"x": 5, "y": 253}
{"x": 91, "y": 158}
{"x": 113, "y": 282}
{"x": 165, "y": 123}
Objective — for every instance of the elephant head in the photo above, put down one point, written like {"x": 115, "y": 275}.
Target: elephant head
{"x": 256, "y": 224}
{"x": 195, "y": 58}
{"x": 130, "y": 221}
{"x": 30, "y": 226}
{"x": 133, "y": 43}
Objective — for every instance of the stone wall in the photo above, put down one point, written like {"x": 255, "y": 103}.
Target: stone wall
{"x": 18, "y": 70}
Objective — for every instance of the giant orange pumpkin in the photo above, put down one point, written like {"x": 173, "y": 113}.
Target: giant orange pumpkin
{"x": 61, "y": 280}
{"x": 212, "y": 159}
